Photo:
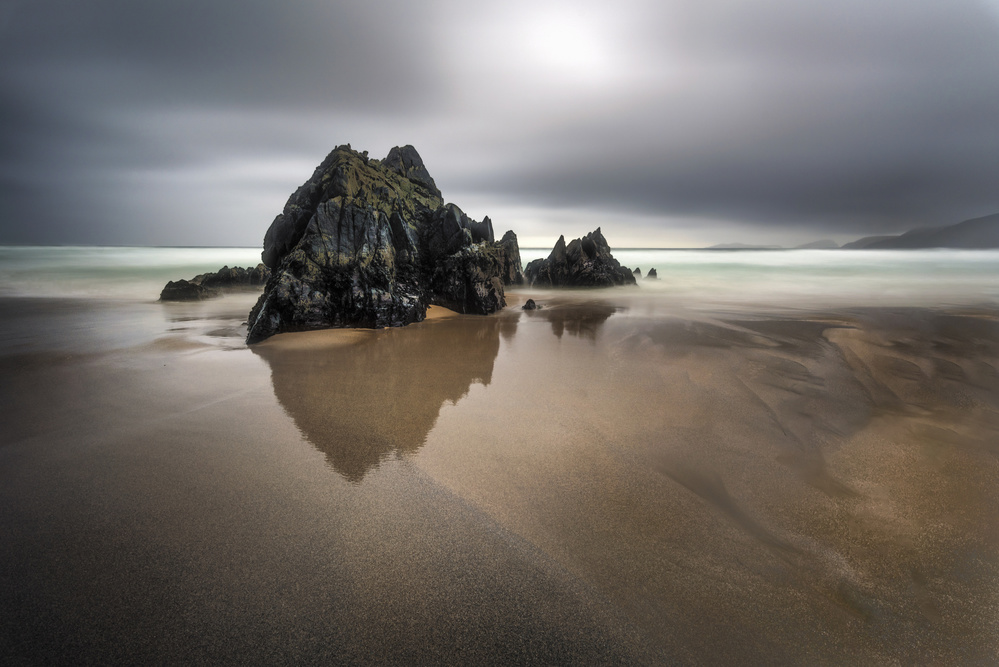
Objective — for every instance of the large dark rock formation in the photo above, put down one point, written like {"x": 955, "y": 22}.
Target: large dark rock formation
{"x": 370, "y": 243}
{"x": 585, "y": 262}
{"x": 213, "y": 284}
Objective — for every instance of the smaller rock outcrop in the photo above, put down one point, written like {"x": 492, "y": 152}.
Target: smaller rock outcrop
{"x": 212, "y": 284}
{"x": 530, "y": 305}
{"x": 651, "y": 275}
{"x": 637, "y": 272}
{"x": 585, "y": 262}
{"x": 513, "y": 274}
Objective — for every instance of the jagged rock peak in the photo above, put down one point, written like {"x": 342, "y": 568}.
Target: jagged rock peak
{"x": 406, "y": 162}
{"x": 584, "y": 262}
{"x": 348, "y": 176}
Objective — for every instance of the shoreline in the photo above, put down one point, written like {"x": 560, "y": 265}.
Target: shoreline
{"x": 603, "y": 479}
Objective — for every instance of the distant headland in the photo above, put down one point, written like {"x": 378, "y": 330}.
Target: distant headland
{"x": 975, "y": 234}
{"x": 978, "y": 233}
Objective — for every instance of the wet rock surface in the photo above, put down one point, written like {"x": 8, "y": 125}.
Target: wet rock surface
{"x": 585, "y": 262}
{"x": 371, "y": 243}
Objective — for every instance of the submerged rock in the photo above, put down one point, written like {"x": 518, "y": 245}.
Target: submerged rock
{"x": 213, "y": 284}
{"x": 371, "y": 243}
{"x": 187, "y": 290}
{"x": 585, "y": 262}
{"x": 530, "y": 305}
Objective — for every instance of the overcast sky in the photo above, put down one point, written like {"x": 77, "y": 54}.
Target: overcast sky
{"x": 667, "y": 122}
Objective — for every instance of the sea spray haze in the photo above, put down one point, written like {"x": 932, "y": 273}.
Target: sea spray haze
{"x": 692, "y": 278}
{"x": 128, "y": 273}
{"x": 812, "y": 278}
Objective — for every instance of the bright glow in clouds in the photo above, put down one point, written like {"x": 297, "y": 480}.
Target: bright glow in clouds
{"x": 567, "y": 43}
{"x": 535, "y": 52}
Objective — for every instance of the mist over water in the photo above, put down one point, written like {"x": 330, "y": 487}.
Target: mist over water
{"x": 687, "y": 278}
{"x": 813, "y": 278}
{"x": 108, "y": 272}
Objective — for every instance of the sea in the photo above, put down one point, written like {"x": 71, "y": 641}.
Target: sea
{"x": 686, "y": 277}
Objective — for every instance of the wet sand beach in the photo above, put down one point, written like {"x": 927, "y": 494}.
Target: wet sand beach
{"x": 604, "y": 480}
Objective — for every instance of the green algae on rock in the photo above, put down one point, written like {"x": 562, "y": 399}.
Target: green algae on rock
{"x": 371, "y": 243}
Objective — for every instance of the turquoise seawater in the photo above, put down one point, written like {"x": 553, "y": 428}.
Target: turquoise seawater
{"x": 688, "y": 278}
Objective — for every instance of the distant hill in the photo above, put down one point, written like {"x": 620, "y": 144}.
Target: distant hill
{"x": 979, "y": 233}
{"x": 824, "y": 244}
{"x": 743, "y": 246}
{"x": 866, "y": 242}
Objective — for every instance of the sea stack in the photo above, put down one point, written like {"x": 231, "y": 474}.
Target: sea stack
{"x": 585, "y": 262}
{"x": 371, "y": 243}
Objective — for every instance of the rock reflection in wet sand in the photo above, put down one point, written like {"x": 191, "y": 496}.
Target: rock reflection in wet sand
{"x": 361, "y": 402}
{"x": 582, "y": 319}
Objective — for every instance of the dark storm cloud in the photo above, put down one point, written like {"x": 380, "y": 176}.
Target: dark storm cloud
{"x": 228, "y": 53}
{"x": 190, "y": 122}
{"x": 97, "y": 93}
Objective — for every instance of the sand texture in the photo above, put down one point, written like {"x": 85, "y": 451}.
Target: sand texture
{"x": 604, "y": 480}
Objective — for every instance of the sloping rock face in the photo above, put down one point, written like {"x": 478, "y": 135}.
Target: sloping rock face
{"x": 370, "y": 243}
{"x": 585, "y": 262}
{"x": 236, "y": 277}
